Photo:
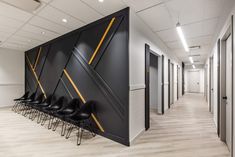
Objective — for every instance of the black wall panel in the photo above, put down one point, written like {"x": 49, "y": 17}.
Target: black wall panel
{"x": 95, "y": 59}
{"x": 89, "y": 39}
{"x": 56, "y": 60}
{"x": 41, "y": 59}
{"x": 112, "y": 67}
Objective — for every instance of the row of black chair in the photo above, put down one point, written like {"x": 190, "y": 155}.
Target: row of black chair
{"x": 74, "y": 114}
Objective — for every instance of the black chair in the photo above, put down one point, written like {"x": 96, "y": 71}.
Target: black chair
{"x": 82, "y": 119}
{"x": 39, "y": 107}
{"x": 68, "y": 110}
{"x": 51, "y": 109}
{"x": 17, "y": 101}
{"x": 23, "y": 103}
{"x": 32, "y": 105}
{"x": 25, "y": 96}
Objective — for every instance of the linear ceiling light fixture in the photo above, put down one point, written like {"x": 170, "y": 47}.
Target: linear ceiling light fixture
{"x": 191, "y": 60}
{"x": 193, "y": 66}
{"x": 182, "y": 37}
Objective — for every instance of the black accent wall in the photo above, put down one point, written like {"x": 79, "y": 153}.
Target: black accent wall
{"x": 90, "y": 63}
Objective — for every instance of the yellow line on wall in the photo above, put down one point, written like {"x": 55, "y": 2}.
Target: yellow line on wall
{"x": 83, "y": 99}
{"x": 102, "y": 40}
{"x": 35, "y": 75}
{"x": 74, "y": 86}
{"x": 38, "y": 56}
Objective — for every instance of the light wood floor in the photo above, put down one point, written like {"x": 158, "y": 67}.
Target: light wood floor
{"x": 186, "y": 130}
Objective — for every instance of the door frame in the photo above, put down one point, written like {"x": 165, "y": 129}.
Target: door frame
{"x": 183, "y": 78}
{"x": 218, "y": 86}
{"x": 169, "y": 84}
{"x": 210, "y": 81}
{"x": 226, "y": 34}
{"x": 177, "y": 82}
{"x": 148, "y": 51}
{"x": 173, "y": 83}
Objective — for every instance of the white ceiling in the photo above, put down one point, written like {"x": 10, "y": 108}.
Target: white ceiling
{"x": 199, "y": 19}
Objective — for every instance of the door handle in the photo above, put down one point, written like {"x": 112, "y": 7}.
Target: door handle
{"x": 225, "y": 97}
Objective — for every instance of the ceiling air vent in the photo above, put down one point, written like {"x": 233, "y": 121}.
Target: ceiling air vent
{"x": 194, "y": 47}
{"x": 26, "y": 5}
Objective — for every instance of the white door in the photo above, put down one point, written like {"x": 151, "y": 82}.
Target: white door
{"x": 194, "y": 81}
{"x": 228, "y": 90}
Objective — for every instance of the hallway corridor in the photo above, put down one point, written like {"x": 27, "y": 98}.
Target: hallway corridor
{"x": 186, "y": 130}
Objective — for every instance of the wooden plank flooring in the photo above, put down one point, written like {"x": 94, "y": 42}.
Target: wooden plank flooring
{"x": 186, "y": 130}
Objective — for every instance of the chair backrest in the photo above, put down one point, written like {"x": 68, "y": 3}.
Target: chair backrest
{"x": 87, "y": 107}
{"x": 40, "y": 98}
{"x": 32, "y": 96}
{"x": 74, "y": 104}
{"x": 59, "y": 102}
{"x": 49, "y": 99}
{"x": 25, "y": 95}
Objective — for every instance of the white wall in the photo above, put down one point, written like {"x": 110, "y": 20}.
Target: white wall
{"x": 140, "y": 34}
{"x": 224, "y": 24}
{"x": 11, "y": 76}
{"x": 201, "y": 77}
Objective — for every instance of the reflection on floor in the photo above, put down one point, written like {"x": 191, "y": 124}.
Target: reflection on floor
{"x": 186, "y": 130}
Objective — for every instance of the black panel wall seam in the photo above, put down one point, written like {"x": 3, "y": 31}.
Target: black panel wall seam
{"x": 104, "y": 91}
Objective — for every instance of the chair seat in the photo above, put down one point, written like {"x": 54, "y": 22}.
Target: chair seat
{"x": 66, "y": 111}
{"x": 20, "y": 99}
{"x": 79, "y": 117}
{"x": 27, "y": 100}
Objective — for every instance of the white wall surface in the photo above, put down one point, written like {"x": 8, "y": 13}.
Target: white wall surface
{"x": 140, "y": 34}
{"x": 11, "y": 76}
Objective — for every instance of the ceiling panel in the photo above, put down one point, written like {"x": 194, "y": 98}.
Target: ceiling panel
{"x": 107, "y": 7}
{"x": 56, "y": 16}
{"x": 34, "y": 36}
{"x": 9, "y": 22}
{"x": 14, "y": 13}
{"x": 77, "y": 9}
{"x": 158, "y": 18}
{"x": 48, "y": 25}
{"x": 212, "y": 8}
{"x": 139, "y": 5}
{"x": 168, "y": 35}
{"x": 186, "y": 11}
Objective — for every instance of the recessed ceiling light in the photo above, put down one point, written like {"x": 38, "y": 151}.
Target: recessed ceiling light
{"x": 64, "y": 20}
{"x": 43, "y": 32}
{"x": 101, "y": 1}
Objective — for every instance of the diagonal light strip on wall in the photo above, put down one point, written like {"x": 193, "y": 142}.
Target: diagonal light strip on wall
{"x": 83, "y": 99}
{"x": 38, "y": 56}
{"x": 102, "y": 40}
{"x": 36, "y": 77}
